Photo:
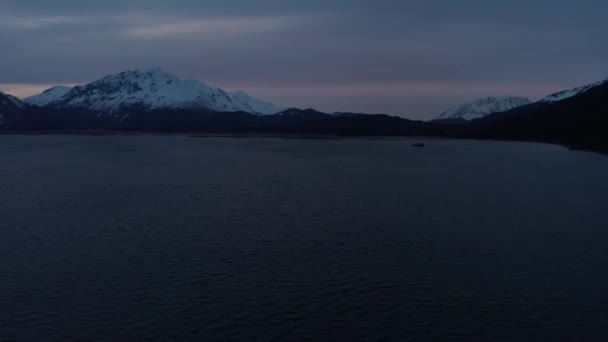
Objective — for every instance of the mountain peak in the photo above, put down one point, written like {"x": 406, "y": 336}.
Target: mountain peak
{"x": 156, "y": 70}
{"x": 482, "y": 107}
{"x": 138, "y": 75}
{"x": 240, "y": 93}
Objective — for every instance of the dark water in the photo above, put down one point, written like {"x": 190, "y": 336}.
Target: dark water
{"x": 218, "y": 239}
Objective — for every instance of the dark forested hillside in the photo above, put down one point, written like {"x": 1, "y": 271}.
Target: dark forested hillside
{"x": 579, "y": 122}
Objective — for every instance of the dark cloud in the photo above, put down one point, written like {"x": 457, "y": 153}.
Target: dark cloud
{"x": 402, "y": 57}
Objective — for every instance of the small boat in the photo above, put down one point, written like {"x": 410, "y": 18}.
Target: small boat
{"x": 418, "y": 145}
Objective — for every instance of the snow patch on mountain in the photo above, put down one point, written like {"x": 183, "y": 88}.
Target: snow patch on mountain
{"x": 151, "y": 89}
{"x": 483, "y": 107}
{"x": 564, "y": 94}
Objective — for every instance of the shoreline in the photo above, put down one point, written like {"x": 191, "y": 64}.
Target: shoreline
{"x": 296, "y": 136}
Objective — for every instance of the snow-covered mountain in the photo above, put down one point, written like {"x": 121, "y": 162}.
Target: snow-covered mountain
{"x": 149, "y": 90}
{"x": 9, "y": 106}
{"x": 564, "y": 94}
{"x": 483, "y": 107}
{"x": 48, "y": 96}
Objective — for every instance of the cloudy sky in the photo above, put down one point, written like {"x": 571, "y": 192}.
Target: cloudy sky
{"x": 406, "y": 57}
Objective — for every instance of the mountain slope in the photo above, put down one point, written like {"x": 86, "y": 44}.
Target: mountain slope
{"x": 251, "y": 105}
{"x": 148, "y": 90}
{"x": 10, "y": 108}
{"x": 483, "y": 107}
{"x": 564, "y": 94}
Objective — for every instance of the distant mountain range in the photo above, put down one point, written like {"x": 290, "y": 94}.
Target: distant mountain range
{"x": 154, "y": 100}
{"x": 491, "y": 105}
{"x": 148, "y": 90}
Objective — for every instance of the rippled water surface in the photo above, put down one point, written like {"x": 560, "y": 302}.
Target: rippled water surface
{"x": 253, "y": 239}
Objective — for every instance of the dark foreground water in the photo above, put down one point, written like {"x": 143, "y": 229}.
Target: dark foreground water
{"x": 218, "y": 239}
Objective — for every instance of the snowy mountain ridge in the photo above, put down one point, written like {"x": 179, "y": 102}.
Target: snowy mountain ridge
{"x": 482, "y": 107}
{"x": 564, "y": 94}
{"x": 151, "y": 89}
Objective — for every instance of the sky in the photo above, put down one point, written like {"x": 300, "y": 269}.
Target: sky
{"x": 412, "y": 58}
